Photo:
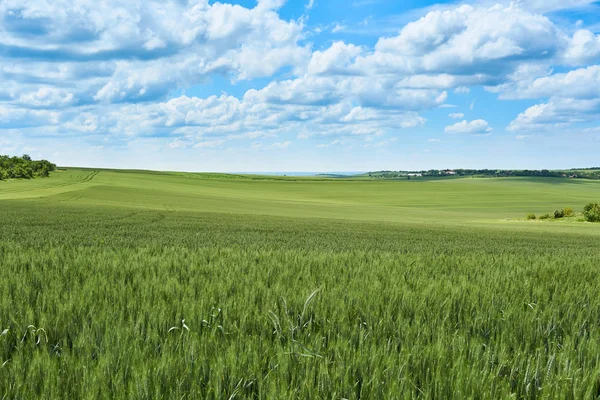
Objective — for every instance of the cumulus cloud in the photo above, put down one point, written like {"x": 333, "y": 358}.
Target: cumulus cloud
{"x": 47, "y": 97}
{"x": 13, "y": 116}
{"x": 476, "y": 127}
{"x": 573, "y": 97}
{"x": 107, "y": 69}
{"x": 336, "y": 59}
{"x": 556, "y": 113}
{"x": 149, "y": 48}
{"x": 584, "y": 47}
{"x": 364, "y": 90}
{"x": 579, "y": 83}
{"x": 468, "y": 39}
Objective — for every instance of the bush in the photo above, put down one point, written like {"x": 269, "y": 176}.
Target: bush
{"x": 531, "y": 216}
{"x": 559, "y": 214}
{"x": 591, "y": 212}
{"x": 545, "y": 216}
{"x": 569, "y": 212}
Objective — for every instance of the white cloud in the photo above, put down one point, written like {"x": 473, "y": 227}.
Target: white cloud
{"x": 556, "y": 113}
{"x": 338, "y": 28}
{"x": 326, "y": 145}
{"x": 85, "y": 122}
{"x": 270, "y": 4}
{"x": 573, "y": 97}
{"x": 189, "y": 122}
{"x": 14, "y": 116}
{"x": 469, "y": 39}
{"x": 47, "y": 97}
{"x": 580, "y": 83}
{"x": 336, "y": 59}
{"x": 150, "y": 47}
{"x": 442, "y": 81}
{"x": 281, "y": 145}
{"x": 584, "y": 47}
{"x": 179, "y": 143}
{"x": 476, "y": 127}
{"x": 433, "y": 140}
{"x": 363, "y": 90}
{"x": 106, "y": 69}
{"x": 209, "y": 144}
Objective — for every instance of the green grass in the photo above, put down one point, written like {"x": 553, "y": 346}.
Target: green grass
{"x": 307, "y": 288}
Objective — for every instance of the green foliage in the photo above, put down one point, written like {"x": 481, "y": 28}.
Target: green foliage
{"x": 585, "y": 173}
{"x": 591, "y": 212}
{"x": 559, "y": 214}
{"x": 531, "y": 216}
{"x": 155, "y": 285}
{"x": 24, "y": 168}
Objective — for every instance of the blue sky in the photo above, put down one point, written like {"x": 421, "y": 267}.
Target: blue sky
{"x": 309, "y": 85}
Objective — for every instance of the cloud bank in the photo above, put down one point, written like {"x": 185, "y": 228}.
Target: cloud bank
{"x": 114, "y": 72}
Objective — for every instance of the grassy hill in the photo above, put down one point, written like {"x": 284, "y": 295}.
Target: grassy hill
{"x": 455, "y": 201}
{"x": 134, "y": 284}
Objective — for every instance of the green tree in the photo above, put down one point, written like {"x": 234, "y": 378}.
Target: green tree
{"x": 24, "y": 167}
{"x": 559, "y": 214}
{"x": 591, "y": 212}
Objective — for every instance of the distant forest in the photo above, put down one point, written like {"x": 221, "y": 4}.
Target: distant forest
{"x": 24, "y": 168}
{"x": 581, "y": 173}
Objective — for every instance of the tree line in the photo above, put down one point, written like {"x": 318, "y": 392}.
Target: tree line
{"x": 24, "y": 167}
{"x": 589, "y": 173}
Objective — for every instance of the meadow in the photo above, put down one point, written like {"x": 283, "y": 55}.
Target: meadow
{"x": 138, "y": 285}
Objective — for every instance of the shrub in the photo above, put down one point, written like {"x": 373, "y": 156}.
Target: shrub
{"x": 545, "y": 216}
{"x": 569, "y": 212}
{"x": 591, "y": 212}
{"x": 559, "y": 213}
{"x": 531, "y": 216}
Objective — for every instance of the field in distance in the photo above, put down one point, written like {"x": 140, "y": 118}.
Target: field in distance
{"x": 444, "y": 201}
{"x": 134, "y": 284}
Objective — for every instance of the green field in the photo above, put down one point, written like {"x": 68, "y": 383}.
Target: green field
{"x": 296, "y": 288}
